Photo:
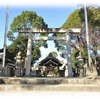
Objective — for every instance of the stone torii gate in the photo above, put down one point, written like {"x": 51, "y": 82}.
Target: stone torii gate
{"x": 31, "y": 37}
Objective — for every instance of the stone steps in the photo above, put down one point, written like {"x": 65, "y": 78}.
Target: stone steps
{"x": 22, "y": 80}
{"x": 28, "y": 87}
{"x": 49, "y": 84}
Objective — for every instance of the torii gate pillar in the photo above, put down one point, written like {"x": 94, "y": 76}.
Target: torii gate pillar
{"x": 69, "y": 60}
{"x": 48, "y": 30}
{"x": 28, "y": 57}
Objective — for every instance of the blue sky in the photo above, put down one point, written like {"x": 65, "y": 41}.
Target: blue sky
{"x": 54, "y": 13}
{"x": 53, "y": 16}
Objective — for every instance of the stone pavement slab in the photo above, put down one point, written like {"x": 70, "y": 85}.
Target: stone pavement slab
{"x": 49, "y": 95}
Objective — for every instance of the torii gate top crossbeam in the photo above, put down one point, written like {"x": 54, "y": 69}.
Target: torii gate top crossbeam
{"x": 48, "y": 30}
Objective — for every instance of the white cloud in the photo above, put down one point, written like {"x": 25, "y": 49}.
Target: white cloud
{"x": 45, "y": 2}
{"x": 46, "y": 51}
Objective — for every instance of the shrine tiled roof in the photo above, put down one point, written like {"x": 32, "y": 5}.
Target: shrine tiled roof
{"x": 50, "y": 59}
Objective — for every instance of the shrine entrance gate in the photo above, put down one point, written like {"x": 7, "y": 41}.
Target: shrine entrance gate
{"x": 31, "y": 37}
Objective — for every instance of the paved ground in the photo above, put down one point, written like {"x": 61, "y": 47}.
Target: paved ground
{"x": 49, "y": 95}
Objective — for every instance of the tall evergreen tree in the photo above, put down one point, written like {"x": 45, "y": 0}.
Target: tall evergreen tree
{"x": 27, "y": 19}
{"x": 78, "y": 41}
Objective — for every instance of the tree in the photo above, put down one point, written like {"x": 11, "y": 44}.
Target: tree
{"x": 76, "y": 18}
{"x": 27, "y": 19}
{"x": 74, "y": 59}
{"x": 20, "y": 44}
{"x": 73, "y": 20}
{"x": 78, "y": 41}
{"x": 54, "y": 54}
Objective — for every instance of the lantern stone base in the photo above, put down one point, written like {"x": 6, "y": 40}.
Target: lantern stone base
{"x": 91, "y": 72}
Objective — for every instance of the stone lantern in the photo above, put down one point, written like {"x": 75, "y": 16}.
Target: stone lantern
{"x": 19, "y": 65}
{"x": 81, "y": 64}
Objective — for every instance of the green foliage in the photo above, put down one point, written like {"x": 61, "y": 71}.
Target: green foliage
{"x": 73, "y": 20}
{"x": 98, "y": 47}
{"x": 45, "y": 72}
{"x": 75, "y": 54}
{"x": 11, "y": 52}
{"x": 85, "y": 54}
{"x": 76, "y": 18}
{"x": 20, "y": 44}
{"x": 98, "y": 58}
{"x": 63, "y": 55}
{"x": 95, "y": 18}
{"x": 36, "y": 53}
{"x": 56, "y": 70}
{"x": 27, "y": 19}
{"x": 54, "y": 53}
{"x": 74, "y": 59}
